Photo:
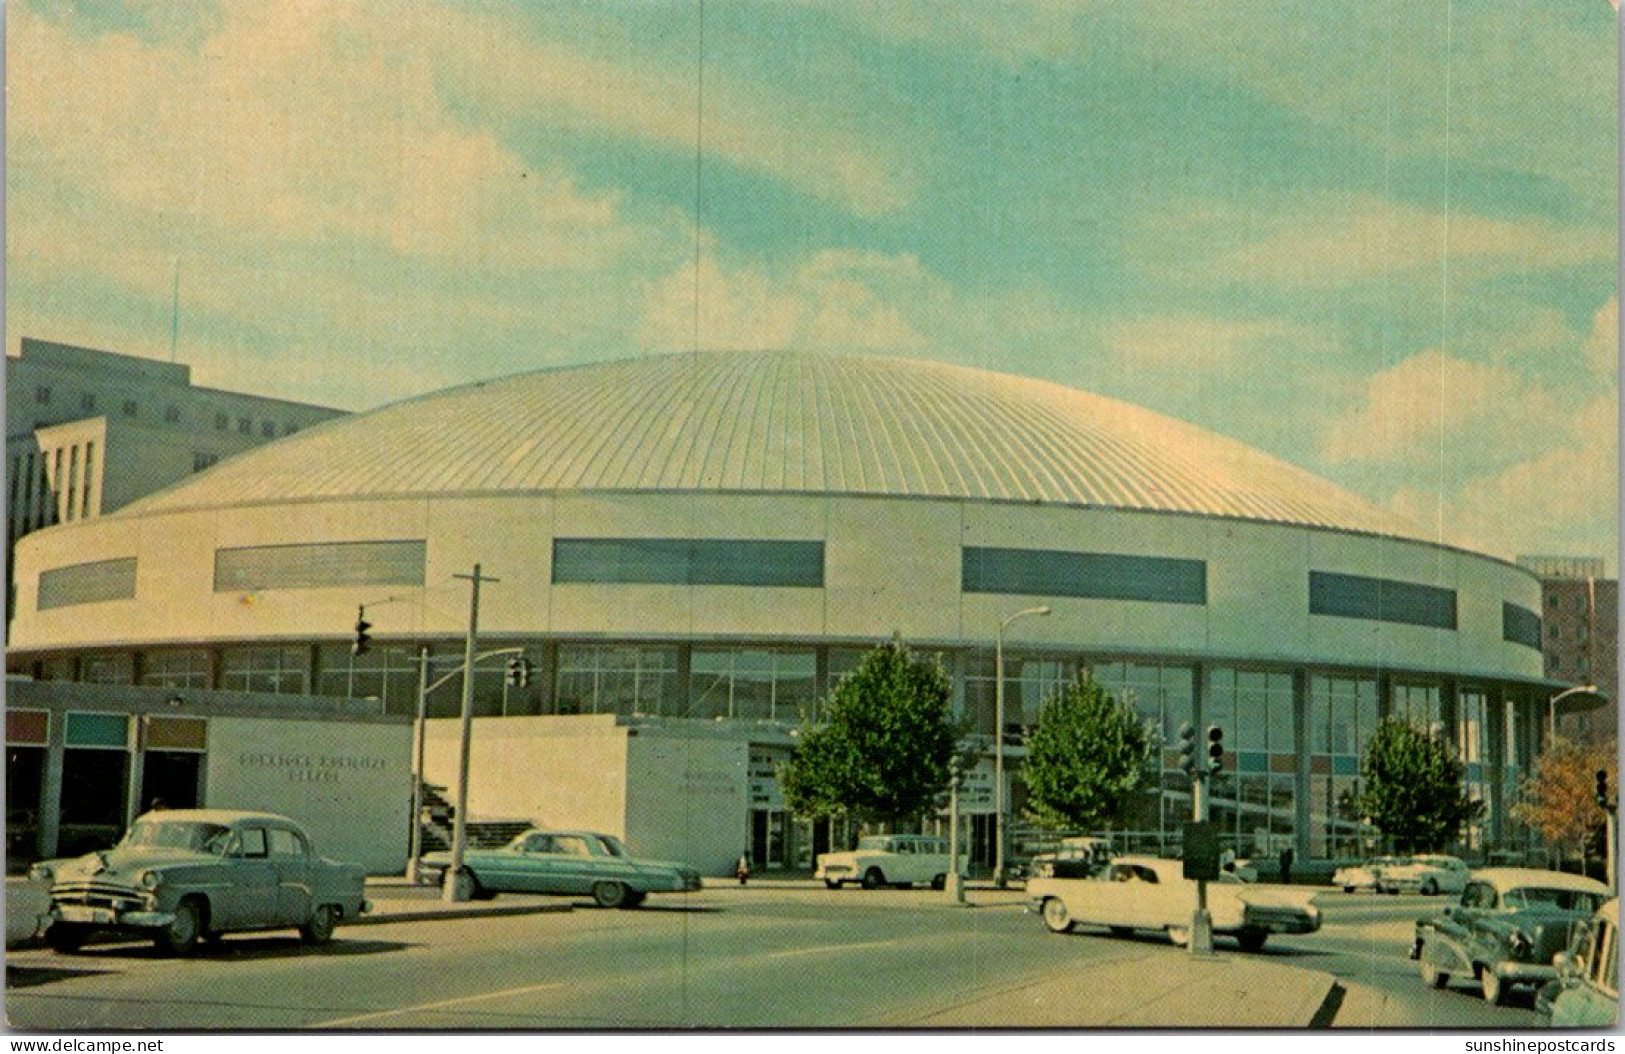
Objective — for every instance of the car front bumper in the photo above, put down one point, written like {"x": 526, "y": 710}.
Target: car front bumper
{"x": 1509, "y": 970}
{"x": 108, "y": 918}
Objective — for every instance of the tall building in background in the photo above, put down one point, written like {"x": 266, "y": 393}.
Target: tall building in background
{"x": 1580, "y": 633}
{"x": 88, "y": 432}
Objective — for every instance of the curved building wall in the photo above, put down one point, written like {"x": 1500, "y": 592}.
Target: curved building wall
{"x": 889, "y": 565}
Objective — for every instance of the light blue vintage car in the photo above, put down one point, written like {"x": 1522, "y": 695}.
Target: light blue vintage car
{"x": 181, "y": 875}
{"x": 568, "y": 863}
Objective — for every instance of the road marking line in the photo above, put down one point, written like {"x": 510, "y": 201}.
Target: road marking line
{"x": 441, "y": 1004}
{"x": 829, "y": 948}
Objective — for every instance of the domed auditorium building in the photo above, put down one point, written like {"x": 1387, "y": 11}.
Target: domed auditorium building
{"x": 691, "y": 549}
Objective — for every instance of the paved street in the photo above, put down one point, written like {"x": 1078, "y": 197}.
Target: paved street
{"x": 770, "y": 955}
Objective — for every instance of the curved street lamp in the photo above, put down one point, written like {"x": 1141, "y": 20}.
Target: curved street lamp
{"x": 998, "y": 741}
{"x": 1551, "y": 711}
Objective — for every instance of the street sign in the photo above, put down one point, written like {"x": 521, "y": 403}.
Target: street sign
{"x": 1201, "y": 850}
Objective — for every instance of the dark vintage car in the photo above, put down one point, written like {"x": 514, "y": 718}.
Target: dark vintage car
{"x": 187, "y": 874}
{"x": 1510, "y": 924}
{"x": 568, "y": 863}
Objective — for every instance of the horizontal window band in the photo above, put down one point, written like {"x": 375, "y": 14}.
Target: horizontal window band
{"x": 1381, "y": 600}
{"x": 688, "y": 562}
{"x": 319, "y": 565}
{"x": 88, "y": 583}
{"x": 1095, "y": 576}
{"x": 1519, "y": 625}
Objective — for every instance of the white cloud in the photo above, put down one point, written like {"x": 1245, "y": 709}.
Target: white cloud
{"x": 1602, "y": 344}
{"x": 1434, "y": 401}
{"x": 1342, "y": 242}
{"x": 835, "y": 300}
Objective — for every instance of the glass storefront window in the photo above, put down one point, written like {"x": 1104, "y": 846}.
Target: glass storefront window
{"x": 387, "y": 674}
{"x": 279, "y": 671}
{"x": 108, "y": 668}
{"x": 753, "y": 684}
{"x": 186, "y": 668}
{"x": 626, "y": 679}
{"x": 1256, "y": 710}
{"x": 1417, "y": 705}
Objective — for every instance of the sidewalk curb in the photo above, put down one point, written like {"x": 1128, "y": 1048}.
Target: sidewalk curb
{"x": 457, "y": 913}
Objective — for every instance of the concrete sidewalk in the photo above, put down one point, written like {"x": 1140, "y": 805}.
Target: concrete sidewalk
{"x": 1147, "y": 988}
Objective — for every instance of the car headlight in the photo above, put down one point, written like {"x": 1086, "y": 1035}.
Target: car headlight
{"x": 150, "y": 879}
{"x": 41, "y": 873}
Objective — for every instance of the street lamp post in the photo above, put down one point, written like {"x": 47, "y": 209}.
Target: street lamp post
{"x": 1551, "y": 708}
{"x": 999, "y": 829}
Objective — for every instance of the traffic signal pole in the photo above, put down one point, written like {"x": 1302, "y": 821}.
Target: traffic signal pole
{"x": 1201, "y": 943}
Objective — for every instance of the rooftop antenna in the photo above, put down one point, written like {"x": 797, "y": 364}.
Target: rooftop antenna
{"x": 175, "y": 311}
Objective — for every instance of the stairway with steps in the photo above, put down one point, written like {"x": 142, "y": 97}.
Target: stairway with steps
{"x": 439, "y": 816}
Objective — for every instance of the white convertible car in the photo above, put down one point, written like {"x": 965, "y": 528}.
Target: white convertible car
{"x": 1146, "y": 893}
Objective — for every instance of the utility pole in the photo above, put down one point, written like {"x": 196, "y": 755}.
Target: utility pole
{"x": 456, "y": 885}
{"x": 420, "y": 733}
{"x": 956, "y": 883}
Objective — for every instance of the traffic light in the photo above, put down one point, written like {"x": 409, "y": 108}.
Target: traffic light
{"x": 1215, "y": 748}
{"x": 362, "y": 640}
{"x": 518, "y": 672}
{"x": 1602, "y": 788}
{"x": 1187, "y": 749}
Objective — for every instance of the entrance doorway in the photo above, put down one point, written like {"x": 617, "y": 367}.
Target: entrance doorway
{"x": 25, "y": 773}
{"x": 768, "y": 828}
{"x": 171, "y": 777}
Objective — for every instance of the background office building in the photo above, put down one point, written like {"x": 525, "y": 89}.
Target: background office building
{"x": 88, "y": 431}
{"x": 693, "y": 548}
{"x": 1580, "y": 629}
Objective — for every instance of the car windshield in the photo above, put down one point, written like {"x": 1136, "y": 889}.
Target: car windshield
{"x": 874, "y": 843}
{"x": 177, "y": 834}
{"x": 1539, "y": 896}
{"x": 612, "y": 845}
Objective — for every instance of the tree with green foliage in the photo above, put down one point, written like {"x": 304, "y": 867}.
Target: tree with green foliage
{"x": 1414, "y": 791}
{"x": 1089, "y": 758}
{"x": 881, "y": 751}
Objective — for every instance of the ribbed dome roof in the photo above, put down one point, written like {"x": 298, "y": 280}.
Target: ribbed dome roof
{"x": 780, "y": 422}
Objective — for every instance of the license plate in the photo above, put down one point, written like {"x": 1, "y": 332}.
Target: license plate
{"x": 75, "y": 913}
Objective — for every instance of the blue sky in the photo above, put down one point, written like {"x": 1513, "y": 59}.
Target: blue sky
{"x": 1377, "y": 239}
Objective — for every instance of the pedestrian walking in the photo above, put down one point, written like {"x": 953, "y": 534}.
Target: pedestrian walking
{"x": 1286, "y": 865}
{"x": 742, "y": 869}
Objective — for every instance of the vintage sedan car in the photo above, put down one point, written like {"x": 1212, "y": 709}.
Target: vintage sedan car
{"x": 184, "y": 874}
{"x": 1074, "y": 858}
{"x": 1507, "y": 929}
{"x": 1367, "y": 875}
{"x": 1429, "y": 875}
{"x": 568, "y": 863}
{"x": 1146, "y": 893}
{"x": 887, "y": 860}
{"x": 1586, "y": 992}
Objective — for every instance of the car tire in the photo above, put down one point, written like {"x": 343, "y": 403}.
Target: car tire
{"x": 610, "y": 894}
{"x": 1179, "y": 935}
{"x": 939, "y": 882}
{"x": 1056, "y": 918}
{"x": 1348, "y": 889}
{"x": 1430, "y": 888}
{"x": 1252, "y": 941}
{"x": 635, "y": 899}
{"x": 318, "y": 929}
{"x": 67, "y": 938}
{"x": 1434, "y": 977}
{"x": 874, "y": 878}
{"x": 477, "y": 890}
{"x": 182, "y": 933}
{"x": 831, "y": 885}
{"x": 1495, "y": 990}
